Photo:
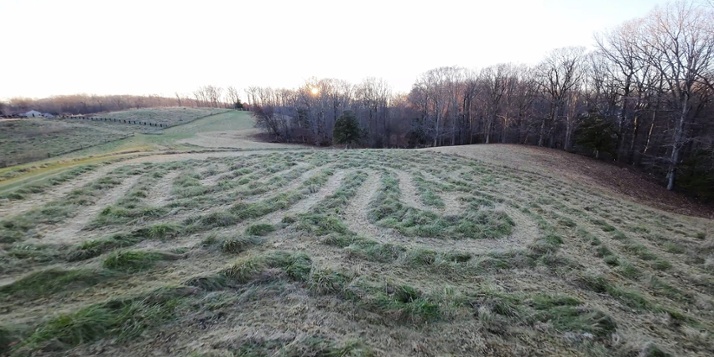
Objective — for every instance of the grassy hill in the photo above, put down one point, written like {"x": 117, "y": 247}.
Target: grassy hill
{"x": 35, "y": 139}
{"x": 168, "y": 116}
{"x": 347, "y": 253}
{"x": 38, "y": 139}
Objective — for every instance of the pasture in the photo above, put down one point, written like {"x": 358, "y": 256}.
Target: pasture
{"x": 301, "y": 252}
{"x": 35, "y": 139}
{"x": 169, "y": 116}
{"x": 15, "y": 181}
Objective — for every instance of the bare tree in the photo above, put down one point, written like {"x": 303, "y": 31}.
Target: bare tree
{"x": 232, "y": 97}
{"x": 559, "y": 74}
{"x": 680, "y": 45}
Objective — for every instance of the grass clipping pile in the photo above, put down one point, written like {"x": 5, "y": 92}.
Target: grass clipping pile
{"x": 350, "y": 253}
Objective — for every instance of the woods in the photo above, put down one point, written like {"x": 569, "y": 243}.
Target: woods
{"x": 643, "y": 97}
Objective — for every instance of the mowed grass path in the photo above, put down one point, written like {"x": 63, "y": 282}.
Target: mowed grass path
{"x": 349, "y": 253}
{"x": 44, "y": 174}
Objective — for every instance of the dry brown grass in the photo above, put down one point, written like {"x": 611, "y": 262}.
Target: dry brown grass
{"x": 620, "y": 181}
{"x": 281, "y": 254}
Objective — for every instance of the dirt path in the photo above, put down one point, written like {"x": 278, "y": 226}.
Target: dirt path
{"x": 410, "y": 194}
{"x": 452, "y": 204}
{"x": 524, "y": 232}
{"x": 356, "y": 215}
{"x": 212, "y": 180}
{"x": 161, "y": 192}
{"x": 21, "y": 206}
{"x": 70, "y": 232}
{"x": 303, "y": 206}
{"x": 290, "y": 186}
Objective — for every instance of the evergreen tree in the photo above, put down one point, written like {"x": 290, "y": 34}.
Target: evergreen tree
{"x": 598, "y": 134}
{"x": 347, "y": 129}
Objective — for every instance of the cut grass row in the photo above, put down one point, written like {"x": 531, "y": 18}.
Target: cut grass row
{"x": 42, "y": 186}
{"x": 387, "y": 210}
{"x": 18, "y": 228}
{"x": 236, "y": 214}
{"x": 129, "y": 317}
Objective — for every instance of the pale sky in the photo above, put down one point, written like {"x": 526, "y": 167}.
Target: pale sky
{"x": 52, "y": 47}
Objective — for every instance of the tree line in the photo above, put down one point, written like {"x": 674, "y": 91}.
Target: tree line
{"x": 204, "y": 96}
{"x": 643, "y": 97}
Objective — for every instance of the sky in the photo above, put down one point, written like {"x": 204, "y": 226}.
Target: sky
{"x": 53, "y": 47}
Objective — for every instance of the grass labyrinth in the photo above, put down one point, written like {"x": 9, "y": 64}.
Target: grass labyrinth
{"x": 350, "y": 253}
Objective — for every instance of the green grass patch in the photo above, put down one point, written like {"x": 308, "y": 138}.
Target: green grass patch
{"x": 403, "y": 303}
{"x": 611, "y": 260}
{"x": 52, "y": 281}
{"x": 428, "y": 196}
{"x": 239, "y": 244}
{"x": 136, "y": 260}
{"x": 321, "y": 224}
{"x": 661, "y": 288}
{"x": 639, "y": 251}
{"x": 329, "y": 282}
{"x": 673, "y": 248}
{"x": 124, "y": 319}
{"x": 627, "y": 270}
{"x": 43, "y": 185}
{"x": 260, "y": 229}
{"x": 114, "y": 215}
{"x": 606, "y": 227}
{"x": 92, "y": 248}
{"x": 388, "y": 211}
{"x": 630, "y": 298}
{"x": 374, "y": 251}
{"x": 296, "y": 266}
{"x": 565, "y": 315}
{"x": 660, "y": 264}
{"x": 161, "y": 231}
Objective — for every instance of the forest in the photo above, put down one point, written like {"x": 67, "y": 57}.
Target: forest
{"x": 642, "y": 97}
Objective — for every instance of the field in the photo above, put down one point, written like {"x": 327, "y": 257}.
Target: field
{"x": 168, "y": 116}
{"x": 476, "y": 250}
{"x": 34, "y": 139}
{"x": 37, "y": 139}
{"x": 180, "y": 138}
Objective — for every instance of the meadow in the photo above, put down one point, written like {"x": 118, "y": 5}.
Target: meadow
{"x": 35, "y": 139}
{"x": 302, "y": 252}
{"x": 169, "y": 116}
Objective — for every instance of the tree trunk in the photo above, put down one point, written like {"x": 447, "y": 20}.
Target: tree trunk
{"x": 677, "y": 142}
{"x": 542, "y": 132}
{"x": 438, "y": 120}
{"x": 568, "y": 134}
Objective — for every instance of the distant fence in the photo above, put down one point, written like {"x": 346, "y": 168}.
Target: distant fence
{"x": 119, "y": 121}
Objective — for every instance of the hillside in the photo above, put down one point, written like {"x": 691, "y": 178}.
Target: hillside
{"x": 169, "y": 116}
{"x": 162, "y": 245}
{"x": 35, "y": 139}
{"x": 619, "y": 181}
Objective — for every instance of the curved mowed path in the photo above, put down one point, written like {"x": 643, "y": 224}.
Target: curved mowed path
{"x": 359, "y": 252}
